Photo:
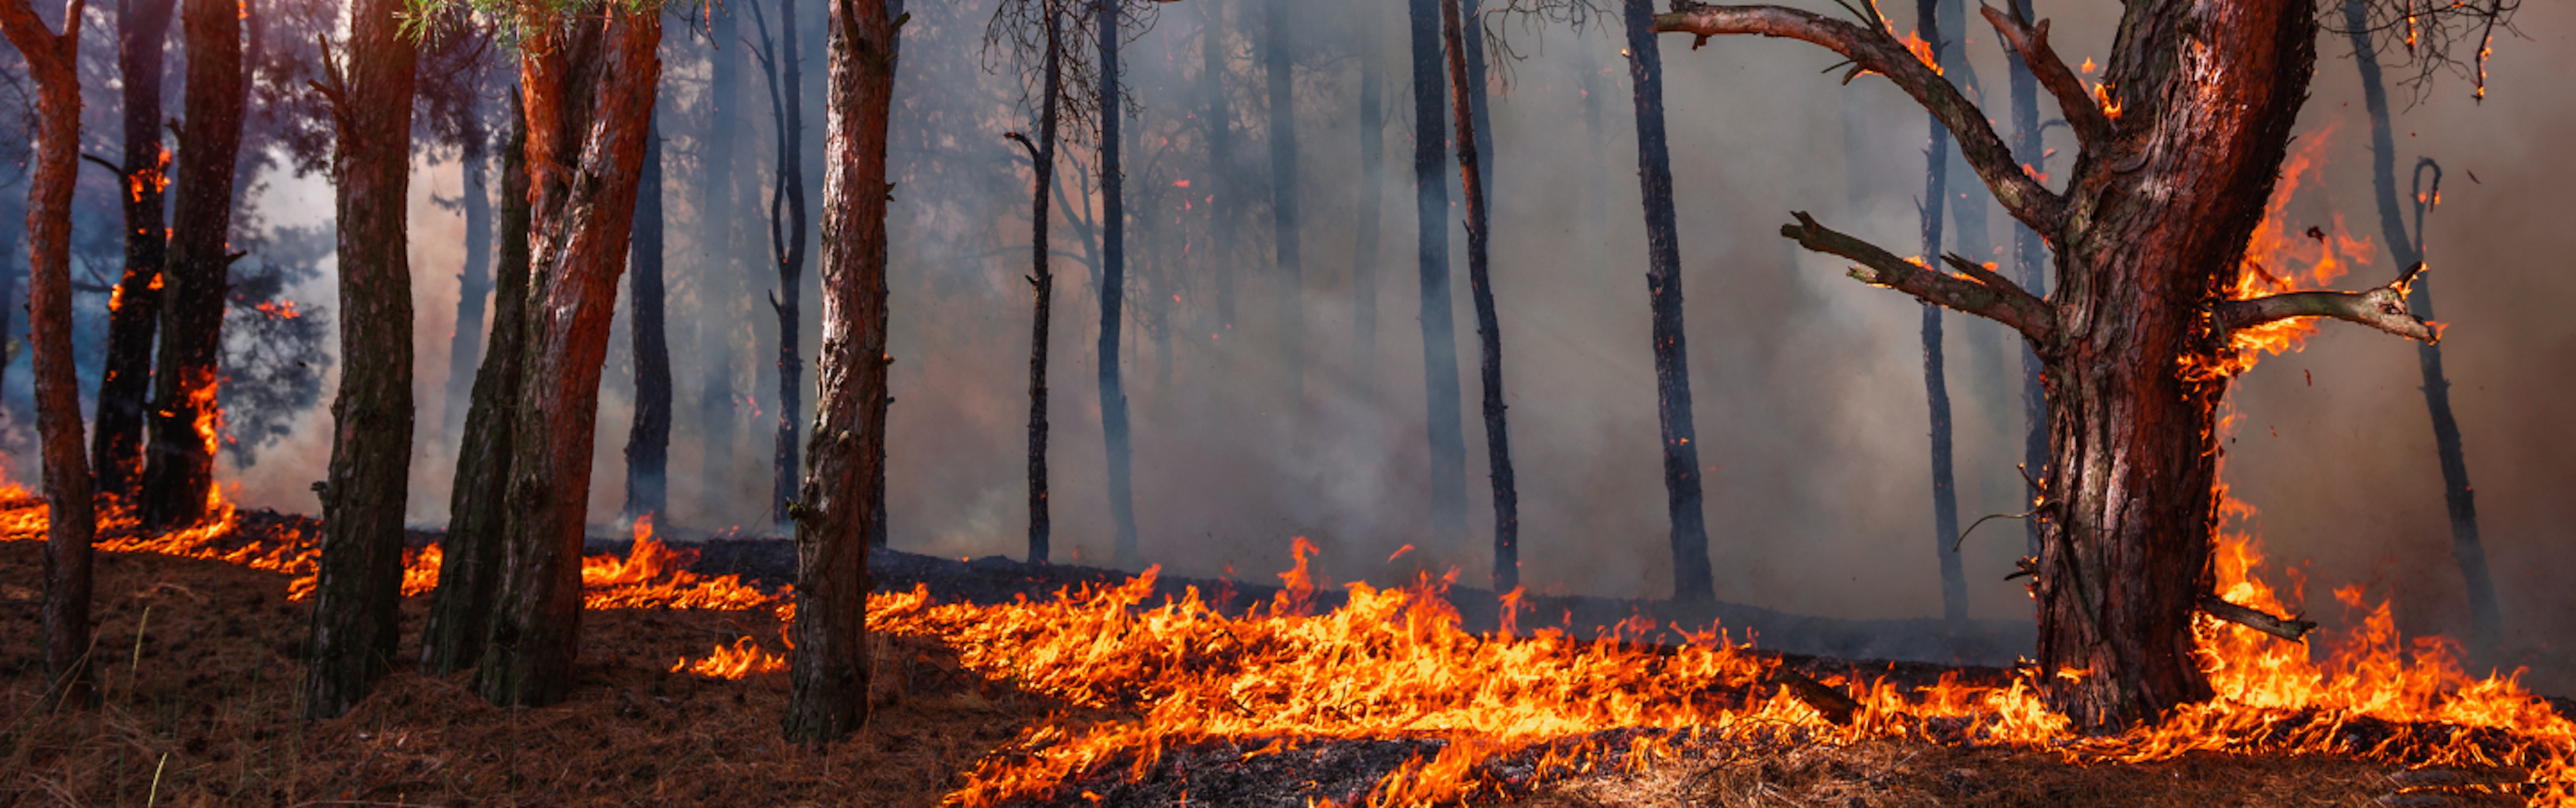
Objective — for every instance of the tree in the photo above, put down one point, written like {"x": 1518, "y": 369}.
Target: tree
{"x": 2177, "y": 155}
{"x": 460, "y": 612}
{"x": 828, "y": 670}
{"x": 178, "y": 471}
{"x": 359, "y": 589}
{"x": 1219, "y": 120}
{"x": 1364, "y": 242}
{"x": 474, "y": 282}
{"x": 134, "y": 308}
{"x": 719, "y": 237}
{"x": 590, "y": 90}
{"x": 2030, "y": 260}
{"x": 1489, "y": 332}
{"x": 786, "y": 241}
{"x": 54, "y": 62}
{"x": 648, "y": 440}
{"x": 1936, "y": 383}
{"x": 1041, "y": 278}
{"x": 1692, "y": 578}
{"x": 1278, "y": 70}
{"x": 1113, "y": 289}
{"x": 1439, "y": 332}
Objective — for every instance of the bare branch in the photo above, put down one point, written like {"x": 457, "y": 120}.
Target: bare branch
{"x": 1875, "y": 50}
{"x": 1982, "y": 293}
{"x": 2285, "y": 628}
{"x": 2083, "y": 114}
{"x": 2383, "y": 308}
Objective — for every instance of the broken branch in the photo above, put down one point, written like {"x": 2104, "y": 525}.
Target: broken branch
{"x": 1878, "y": 51}
{"x": 1982, "y": 293}
{"x": 2083, "y": 114}
{"x": 2383, "y": 308}
{"x": 2285, "y": 628}
{"x": 1835, "y": 706}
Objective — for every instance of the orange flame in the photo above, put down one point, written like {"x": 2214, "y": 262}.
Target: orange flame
{"x": 2279, "y": 258}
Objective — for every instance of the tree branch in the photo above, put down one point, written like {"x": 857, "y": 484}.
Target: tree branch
{"x": 2288, "y": 629}
{"x": 2383, "y": 308}
{"x": 2083, "y": 114}
{"x": 1982, "y": 292}
{"x": 102, "y": 162}
{"x": 1875, "y": 50}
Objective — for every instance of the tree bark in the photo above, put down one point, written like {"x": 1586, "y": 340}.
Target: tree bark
{"x": 1692, "y": 578}
{"x": 590, "y": 99}
{"x": 178, "y": 471}
{"x": 1278, "y": 68}
{"x": 54, "y": 62}
{"x": 1113, "y": 292}
{"x": 1476, "y": 101}
{"x": 828, "y": 670}
{"x": 1489, "y": 332}
{"x": 787, "y": 248}
{"x": 134, "y": 308}
{"x": 470, "y": 571}
{"x": 719, "y": 237}
{"x": 1936, "y": 384}
{"x": 465, "y": 341}
{"x": 1439, "y": 331}
{"x": 2486, "y": 629}
{"x": 359, "y": 588}
{"x": 1042, "y": 281}
{"x": 648, "y": 441}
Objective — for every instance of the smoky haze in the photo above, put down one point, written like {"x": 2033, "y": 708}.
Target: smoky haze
{"x": 1809, "y": 398}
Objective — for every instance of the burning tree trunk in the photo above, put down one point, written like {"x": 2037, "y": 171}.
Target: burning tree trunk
{"x": 1041, "y": 278}
{"x": 1489, "y": 332}
{"x": 1439, "y": 332}
{"x": 2485, "y": 623}
{"x": 590, "y": 94}
{"x": 828, "y": 670}
{"x": 178, "y": 472}
{"x": 359, "y": 588}
{"x": 469, "y": 573}
{"x": 1278, "y": 69}
{"x": 1475, "y": 50}
{"x": 1113, "y": 290}
{"x": 786, "y": 242}
{"x": 2178, "y": 155}
{"x": 54, "y": 62}
{"x": 1692, "y": 579}
{"x": 1936, "y": 384}
{"x": 134, "y": 308}
{"x": 465, "y": 341}
{"x": 2030, "y": 258}
{"x": 648, "y": 442}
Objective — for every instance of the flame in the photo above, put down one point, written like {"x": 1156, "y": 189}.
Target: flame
{"x": 153, "y": 179}
{"x": 1922, "y": 52}
{"x": 739, "y": 660}
{"x": 279, "y": 309}
{"x": 2280, "y": 258}
{"x": 2089, "y": 66}
{"x": 2103, "y": 94}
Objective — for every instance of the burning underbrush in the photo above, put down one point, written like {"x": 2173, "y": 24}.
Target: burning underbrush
{"x": 1137, "y": 691}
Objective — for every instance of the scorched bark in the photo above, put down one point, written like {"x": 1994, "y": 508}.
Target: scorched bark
{"x": 178, "y": 469}
{"x": 116, "y": 442}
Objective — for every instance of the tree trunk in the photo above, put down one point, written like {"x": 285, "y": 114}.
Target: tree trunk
{"x": 1489, "y": 332}
{"x": 787, "y": 247}
{"x": 54, "y": 62}
{"x": 134, "y": 309}
{"x": 359, "y": 589}
{"x": 2486, "y": 629}
{"x": 1219, "y": 120}
{"x": 720, "y": 248}
{"x": 1042, "y": 282}
{"x": 1475, "y": 48}
{"x": 2030, "y": 259}
{"x": 1372, "y": 187}
{"x": 1692, "y": 578}
{"x": 590, "y": 101}
{"x": 178, "y": 471}
{"x": 469, "y": 573}
{"x": 1936, "y": 384}
{"x": 1113, "y": 290}
{"x": 465, "y": 341}
{"x": 828, "y": 670}
{"x": 648, "y": 443}
{"x": 1439, "y": 332}
{"x": 1278, "y": 68}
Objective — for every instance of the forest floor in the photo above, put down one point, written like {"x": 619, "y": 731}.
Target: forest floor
{"x": 199, "y": 671}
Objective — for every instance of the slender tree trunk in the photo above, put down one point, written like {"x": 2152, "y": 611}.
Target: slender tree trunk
{"x": 2486, "y": 629}
{"x": 590, "y": 100}
{"x": 134, "y": 309}
{"x": 828, "y": 670}
{"x": 470, "y": 572}
{"x": 1489, "y": 332}
{"x": 1372, "y": 187}
{"x": 1113, "y": 290}
{"x": 1219, "y": 120}
{"x": 1042, "y": 282}
{"x": 465, "y": 342}
{"x": 787, "y": 247}
{"x": 2030, "y": 258}
{"x": 178, "y": 471}
{"x": 1692, "y": 579}
{"x": 1439, "y": 332}
{"x": 720, "y": 244}
{"x": 1278, "y": 68}
{"x": 1476, "y": 101}
{"x": 1936, "y": 384}
{"x": 648, "y": 442}
{"x": 358, "y": 593}
{"x": 54, "y": 62}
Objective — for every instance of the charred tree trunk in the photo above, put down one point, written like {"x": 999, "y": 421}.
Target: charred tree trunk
{"x": 828, "y": 670}
{"x": 786, "y": 245}
{"x": 1692, "y": 579}
{"x": 590, "y": 100}
{"x": 1372, "y": 187}
{"x": 134, "y": 308}
{"x": 1439, "y": 332}
{"x": 1278, "y": 68}
{"x": 1475, "y": 49}
{"x": 1042, "y": 278}
{"x": 178, "y": 471}
{"x": 648, "y": 442}
{"x": 465, "y": 341}
{"x": 469, "y": 574}
{"x": 1489, "y": 332}
{"x": 1219, "y": 120}
{"x": 2486, "y": 628}
{"x": 1113, "y": 290}
{"x": 355, "y": 617}
{"x": 2030, "y": 259}
{"x": 1936, "y": 383}
{"x": 54, "y": 62}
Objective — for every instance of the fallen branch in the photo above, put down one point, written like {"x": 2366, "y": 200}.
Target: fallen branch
{"x": 2291, "y": 629}
{"x": 1836, "y": 707}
